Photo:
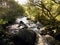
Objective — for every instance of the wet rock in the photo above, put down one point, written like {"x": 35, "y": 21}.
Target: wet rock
{"x": 50, "y": 39}
{"x": 24, "y": 37}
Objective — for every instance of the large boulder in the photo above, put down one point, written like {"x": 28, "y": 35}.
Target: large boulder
{"x": 24, "y": 37}
{"x": 50, "y": 39}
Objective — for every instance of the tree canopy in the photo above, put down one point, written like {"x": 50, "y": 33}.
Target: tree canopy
{"x": 9, "y": 10}
{"x": 46, "y": 12}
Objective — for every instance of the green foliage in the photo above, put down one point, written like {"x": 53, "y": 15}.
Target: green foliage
{"x": 10, "y": 11}
{"x": 2, "y": 21}
{"x": 46, "y": 12}
{"x": 58, "y": 10}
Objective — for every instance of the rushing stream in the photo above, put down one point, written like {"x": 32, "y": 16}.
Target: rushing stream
{"x": 31, "y": 25}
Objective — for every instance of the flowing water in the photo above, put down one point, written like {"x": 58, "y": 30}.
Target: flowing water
{"x": 31, "y": 25}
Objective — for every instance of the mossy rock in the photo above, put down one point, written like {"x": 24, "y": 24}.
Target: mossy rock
{"x": 25, "y": 37}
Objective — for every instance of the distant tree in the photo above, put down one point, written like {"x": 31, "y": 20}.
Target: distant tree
{"x": 9, "y": 10}
{"x": 46, "y": 12}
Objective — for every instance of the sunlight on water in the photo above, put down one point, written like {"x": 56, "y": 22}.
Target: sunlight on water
{"x": 22, "y": 19}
